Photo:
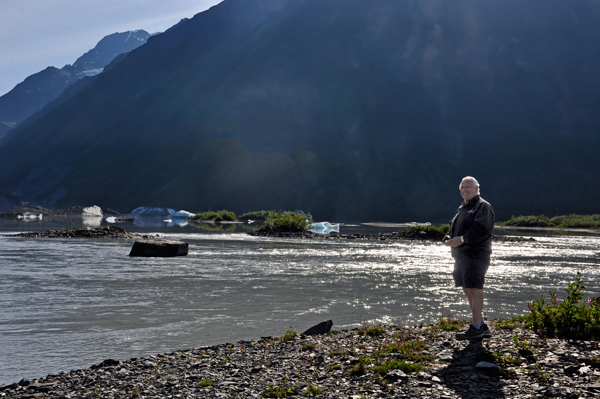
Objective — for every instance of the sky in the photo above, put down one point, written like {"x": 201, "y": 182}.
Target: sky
{"x": 35, "y": 34}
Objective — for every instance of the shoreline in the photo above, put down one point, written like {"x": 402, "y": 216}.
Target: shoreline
{"x": 335, "y": 365}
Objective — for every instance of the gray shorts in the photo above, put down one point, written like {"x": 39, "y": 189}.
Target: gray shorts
{"x": 469, "y": 270}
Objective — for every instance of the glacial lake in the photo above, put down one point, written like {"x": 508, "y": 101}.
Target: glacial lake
{"x": 69, "y": 304}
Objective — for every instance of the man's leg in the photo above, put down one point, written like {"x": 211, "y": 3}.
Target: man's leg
{"x": 475, "y": 298}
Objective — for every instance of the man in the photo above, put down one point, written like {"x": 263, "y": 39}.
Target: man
{"x": 470, "y": 237}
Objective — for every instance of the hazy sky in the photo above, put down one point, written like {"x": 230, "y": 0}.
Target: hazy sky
{"x": 35, "y": 34}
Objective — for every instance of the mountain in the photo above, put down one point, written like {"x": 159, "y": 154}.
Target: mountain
{"x": 348, "y": 109}
{"x": 40, "y": 88}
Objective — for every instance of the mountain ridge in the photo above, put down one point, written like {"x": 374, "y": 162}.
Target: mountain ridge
{"x": 363, "y": 112}
{"x": 39, "y": 89}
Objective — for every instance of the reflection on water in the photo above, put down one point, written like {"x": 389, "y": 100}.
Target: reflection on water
{"x": 209, "y": 226}
{"x": 72, "y": 303}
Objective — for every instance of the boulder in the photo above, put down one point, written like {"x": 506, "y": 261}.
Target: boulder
{"x": 155, "y": 247}
{"x": 322, "y": 328}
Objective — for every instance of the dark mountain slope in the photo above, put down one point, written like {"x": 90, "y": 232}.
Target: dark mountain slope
{"x": 348, "y": 109}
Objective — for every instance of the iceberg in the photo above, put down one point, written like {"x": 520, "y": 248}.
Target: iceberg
{"x": 325, "y": 228}
{"x": 93, "y": 210}
{"x": 182, "y": 214}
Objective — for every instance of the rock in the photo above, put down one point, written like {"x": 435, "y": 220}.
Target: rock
{"x": 154, "y": 247}
{"x": 395, "y": 375}
{"x": 322, "y": 328}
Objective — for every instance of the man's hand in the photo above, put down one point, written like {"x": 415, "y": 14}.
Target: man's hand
{"x": 453, "y": 242}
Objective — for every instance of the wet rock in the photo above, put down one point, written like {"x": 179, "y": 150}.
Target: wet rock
{"x": 155, "y": 247}
{"x": 322, "y": 328}
{"x": 87, "y": 232}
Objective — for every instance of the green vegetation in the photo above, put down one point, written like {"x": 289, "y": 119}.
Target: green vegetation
{"x": 373, "y": 331}
{"x": 289, "y": 335}
{"x": 385, "y": 367}
{"x": 287, "y": 222}
{"x": 431, "y": 232}
{"x": 568, "y": 221}
{"x": 406, "y": 351}
{"x": 342, "y": 352}
{"x": 538, "y": 374}
{"x": 257, "y": 215}
{"x": 206, "y": 383}
{"x": 448, "y": 323}
{"x": 219, "y": 216}
{"x": 313, "y": 391}
{"x": 570, "y": 318}
{"x": 278, "y": 392}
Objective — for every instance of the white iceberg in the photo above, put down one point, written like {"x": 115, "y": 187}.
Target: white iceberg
{"x": 182, "y": 214}
{"x": 93, "y": 210}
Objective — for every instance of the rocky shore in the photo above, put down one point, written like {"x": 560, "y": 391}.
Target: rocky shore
{"x": 371, "y": 362}
{"x": 393, "y": 236}
{"x": 86, "y": 232}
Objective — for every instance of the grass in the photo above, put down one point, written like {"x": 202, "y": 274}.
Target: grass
{"x": 406, "y": 350}
{"x": 218, "y": 216}
{"x": 289, "y": 335}
{"x": 383, "y": 368}
{"x": 448, "y": 323}
{"x": 287, "y": 222}
{"x": 274, "y": 391}
{"x": 567, "y": 221}
{"x": 373, "y": 331}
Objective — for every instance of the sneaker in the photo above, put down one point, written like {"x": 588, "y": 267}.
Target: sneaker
{"x": 486, "y": 330}
{"x": 472, "y": 333}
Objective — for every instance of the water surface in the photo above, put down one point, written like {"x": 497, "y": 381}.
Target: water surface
{"x": 68, "y": 304}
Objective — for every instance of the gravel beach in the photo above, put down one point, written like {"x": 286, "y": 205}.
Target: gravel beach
{"x": 361, "y": 363}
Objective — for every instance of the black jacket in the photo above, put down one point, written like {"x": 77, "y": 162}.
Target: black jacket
{"x": 474, "y": 221}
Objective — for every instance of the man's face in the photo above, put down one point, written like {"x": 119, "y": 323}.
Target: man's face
{"x": 468, "y": 189}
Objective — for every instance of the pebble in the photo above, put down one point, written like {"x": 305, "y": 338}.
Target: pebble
{"x": 329, "y": 366}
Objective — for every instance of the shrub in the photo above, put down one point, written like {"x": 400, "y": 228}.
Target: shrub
{"x": 529, "y": 221}
{"x": 257, "y": 215}
{"x": 571, "y": 318}
{"x": 425, "y": 231}
{"x": 287, "y": 222}
{"x": 569, "y": 221}
{"x": 577, "y": 221}
{"x": 216, "y": 216}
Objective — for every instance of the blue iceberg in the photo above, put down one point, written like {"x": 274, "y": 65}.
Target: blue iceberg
{"x": 325, "y": 228}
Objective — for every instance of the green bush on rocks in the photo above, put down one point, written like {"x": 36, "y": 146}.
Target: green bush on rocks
{"x": 287, "y": 222}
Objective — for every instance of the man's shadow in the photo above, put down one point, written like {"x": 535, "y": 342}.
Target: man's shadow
{"x": 469, "y": 381}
